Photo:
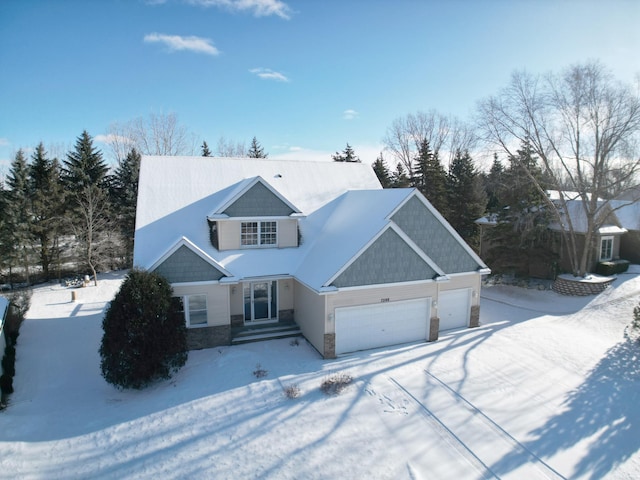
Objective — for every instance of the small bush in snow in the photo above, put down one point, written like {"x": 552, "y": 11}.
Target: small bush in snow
{"x": 260, "y": 372}
{"x": 145, "y": 336}
{"x": 636, "y": 318}
{"x": 292, "y": 391}
{"x": 336, "y": 383}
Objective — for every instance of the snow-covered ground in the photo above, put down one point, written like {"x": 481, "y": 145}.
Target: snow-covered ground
{"x": 547, "y": 387}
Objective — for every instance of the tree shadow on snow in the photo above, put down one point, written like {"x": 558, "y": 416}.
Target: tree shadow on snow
{"x": 601, "y": 413}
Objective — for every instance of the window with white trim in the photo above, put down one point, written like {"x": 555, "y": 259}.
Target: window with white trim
{"x": 258, "y": 233}
{"x": 606, "y": 248}
{"x": 194, "y": 308}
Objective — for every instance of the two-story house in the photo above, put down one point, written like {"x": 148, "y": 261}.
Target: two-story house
{"x": 251, "y": 241}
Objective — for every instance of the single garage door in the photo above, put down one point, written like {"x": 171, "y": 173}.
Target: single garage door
{"x": 454, "y": 309}
{"x": 381, "y": 324}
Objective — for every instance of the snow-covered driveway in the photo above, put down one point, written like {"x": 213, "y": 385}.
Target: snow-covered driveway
{"x": 546, "y": 387}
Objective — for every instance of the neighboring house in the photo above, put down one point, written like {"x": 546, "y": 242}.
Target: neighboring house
{"x": 606, "y": 245}
{"x": 4, "y": 311}
{"x": 249, "y": 241}
{"x": 617, "y": 238}
{"x": 628, "y": 214}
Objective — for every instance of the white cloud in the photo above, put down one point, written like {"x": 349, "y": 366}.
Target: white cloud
{"x": 260, "y": 8}
{"x": 4, "y": 142}
{"x": 176, "y": 43}
{"x": 350, "y": 114}
{"x": 268, "y": 74}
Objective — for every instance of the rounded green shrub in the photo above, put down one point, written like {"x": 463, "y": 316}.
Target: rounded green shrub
{"x": 145, "y": 336}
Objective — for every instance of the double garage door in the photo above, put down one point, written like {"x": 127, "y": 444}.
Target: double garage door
{"x": 383, "y": 324}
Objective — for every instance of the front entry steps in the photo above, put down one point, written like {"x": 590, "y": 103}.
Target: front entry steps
{"x": 267, "y": 331}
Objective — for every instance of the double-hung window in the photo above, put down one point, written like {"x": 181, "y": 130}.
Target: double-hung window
{"x": 258, "y": 233}
{"x": 606, "y": 249}
{"x": 194, "y": 308}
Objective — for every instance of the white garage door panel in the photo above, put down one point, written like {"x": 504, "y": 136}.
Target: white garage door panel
{"x": 454, "y": 309}
{"x": 379, "y": 325}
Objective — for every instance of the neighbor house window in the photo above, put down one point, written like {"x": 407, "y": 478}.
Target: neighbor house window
{"x": 194, "y": 308}
{"x": 606, "y": 248}
{"x": 258, "y": 233}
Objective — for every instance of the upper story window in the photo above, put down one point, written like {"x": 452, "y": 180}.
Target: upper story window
{"x": 258, "y": 233}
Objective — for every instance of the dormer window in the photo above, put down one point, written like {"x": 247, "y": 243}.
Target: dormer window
{"x": 256, "y": 234}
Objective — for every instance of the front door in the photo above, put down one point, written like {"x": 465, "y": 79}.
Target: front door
{"x": 260, "y": 301}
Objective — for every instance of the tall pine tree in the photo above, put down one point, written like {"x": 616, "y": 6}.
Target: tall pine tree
{"x": 85, "y": 177}
{"x": 347, "y": 155}
{"x": 124, "y": 195}
{"x": 18, "y": 214}
{"x": 256, "y": 150}
{"x": 466, "y": 196}
{"x": 430, "y": 178}
{"x": 205, "y": 150}
{"x": 382, "y": 172}
{"x": 47, "y": 203}
{"x": 84, "y": 165}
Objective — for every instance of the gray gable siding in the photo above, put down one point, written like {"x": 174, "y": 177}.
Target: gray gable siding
{"x": 186, "y": 266}
{"x": 388, "y": 260}
{"x": 258, "y": 201}
{"x": 426, "y": 231}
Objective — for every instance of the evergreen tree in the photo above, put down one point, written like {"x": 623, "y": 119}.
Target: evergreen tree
{"x": 144, "y": 335}
{"x": 382, "y": 172}
{"x": 466, "y": 195}
{"x": 124, "y": 195}
{"x": 430, "y": 178}
{"x": 494, "y": 184}
{"x": 85, "y": 177}
{"x": 256, "y": 150}
{"x": 205, "y": 150}
{"x": 399, "y": 178}
{"x": 18, "y": 214}
{"x": 84, "y": 165}
{"x": 347, "y": 155}
{"x": 519, "y": 241}
{"x": 47, "y": 203}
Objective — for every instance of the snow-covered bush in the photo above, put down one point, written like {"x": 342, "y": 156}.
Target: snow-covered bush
{"x": 292, "y": 391}
{"x": 636, "y": 318}
{"x": 145, "y": 336}
{"x": 336, "y": 383}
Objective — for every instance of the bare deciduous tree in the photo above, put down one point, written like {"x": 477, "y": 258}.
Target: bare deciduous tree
{"x": 91, "y": 226}
{"x": 445, "y": 135}
{"x": 229, "y": 148}
{"x": 157, "y": 134}
{"x": 585, "y": 127}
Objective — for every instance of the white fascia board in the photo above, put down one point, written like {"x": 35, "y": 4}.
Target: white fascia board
{"x": 264, "y": 278}
{"x": 184, "y": 241}
{"x": 249, "y": 219}
{"x": 388, "y": 285}
{"x": 196, "y": 284}
{"x": 443, "y": 221}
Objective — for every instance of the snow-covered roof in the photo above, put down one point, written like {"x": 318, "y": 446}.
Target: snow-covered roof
{"x": 172, "y": 184}
{"x": 628, "y": 214}
{"x": 341, "y": 207}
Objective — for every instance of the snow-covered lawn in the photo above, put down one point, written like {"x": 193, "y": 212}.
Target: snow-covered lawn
{"x": 547, "y": 387}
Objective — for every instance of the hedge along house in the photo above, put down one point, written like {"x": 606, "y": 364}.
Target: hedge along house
{"x": 251, "y": 241}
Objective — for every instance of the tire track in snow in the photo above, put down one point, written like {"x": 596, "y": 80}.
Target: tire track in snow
{"x": 544, "y": 468}
{"x": 451, "y": 438}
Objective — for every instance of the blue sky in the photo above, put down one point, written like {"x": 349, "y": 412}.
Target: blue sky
{"x": 305, "y": 77}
